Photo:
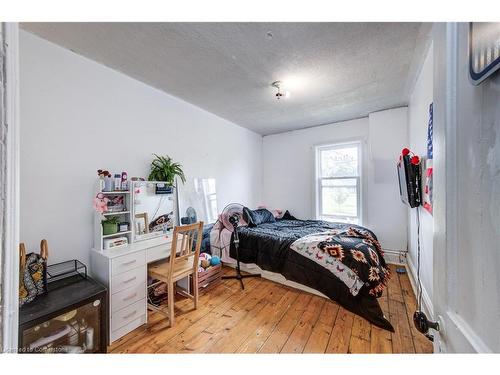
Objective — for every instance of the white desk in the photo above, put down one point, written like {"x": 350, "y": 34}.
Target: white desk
{"x": 124, "y": 272}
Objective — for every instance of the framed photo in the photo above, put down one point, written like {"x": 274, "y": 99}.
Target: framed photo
{"x": 484, "y": 50}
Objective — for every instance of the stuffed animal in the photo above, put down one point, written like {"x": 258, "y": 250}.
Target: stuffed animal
{"x": 100, "y": 203}
{"x": 215, "y": 261}
{"x": 206, "y": 256}
{"x": 205, "y": 263}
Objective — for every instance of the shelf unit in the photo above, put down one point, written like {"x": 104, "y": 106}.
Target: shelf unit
{"x": 116, "y": 213}
{"x": 123, "y": 269}
{"x": 125, "y": 216}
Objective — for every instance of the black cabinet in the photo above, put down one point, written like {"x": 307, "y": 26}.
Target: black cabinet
{"x": 71, "y": 318}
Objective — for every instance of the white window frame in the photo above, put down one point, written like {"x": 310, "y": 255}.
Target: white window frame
{"x": 317, "y": 178}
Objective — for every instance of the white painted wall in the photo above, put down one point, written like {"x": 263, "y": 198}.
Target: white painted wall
{"x": 418, "y": 119}
{"x": 78, "y": 116}
{"x": 288, "y": 170}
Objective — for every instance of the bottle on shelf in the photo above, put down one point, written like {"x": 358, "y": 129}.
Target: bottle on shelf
{"x": 118, "y": 181}
{"x": 124, "y": 181}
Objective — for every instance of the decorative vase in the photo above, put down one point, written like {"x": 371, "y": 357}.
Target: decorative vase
{"x": 109, "y": 228}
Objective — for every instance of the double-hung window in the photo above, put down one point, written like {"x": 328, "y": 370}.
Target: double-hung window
{"x": 338, "y": 182}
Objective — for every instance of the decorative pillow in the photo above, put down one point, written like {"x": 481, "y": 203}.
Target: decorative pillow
{"x": 287, "y": 216}
{"x": 256, "y": 217}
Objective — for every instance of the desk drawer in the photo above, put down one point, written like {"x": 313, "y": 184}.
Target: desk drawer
{"x": 158, "y": 252}
{"x": 161, "y": 252}
{"x": 128, "y": 314}
{"x": 128, "y": 296}
{"x": 128, "y": 279}
{"x": 127, "y": 262}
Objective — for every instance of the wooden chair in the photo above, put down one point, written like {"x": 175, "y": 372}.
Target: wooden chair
{"x": 183, "y": 262}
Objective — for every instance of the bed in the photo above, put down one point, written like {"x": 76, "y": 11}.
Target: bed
{"x": 341, "y": 261}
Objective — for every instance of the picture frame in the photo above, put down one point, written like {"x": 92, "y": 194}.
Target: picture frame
{"x": 484, "y": 50}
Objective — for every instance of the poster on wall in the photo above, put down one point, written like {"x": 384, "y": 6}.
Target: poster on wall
{"x": 428, "y": 163}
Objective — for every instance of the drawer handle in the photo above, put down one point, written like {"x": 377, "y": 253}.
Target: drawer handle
{"x": 130, "y": 262}
{"x": 130, "y": 297}
{"x": 130, "y": 315}
{"x": 130, "y": 280}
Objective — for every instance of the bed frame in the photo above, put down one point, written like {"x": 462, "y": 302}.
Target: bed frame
{"x": 276, "y": 277}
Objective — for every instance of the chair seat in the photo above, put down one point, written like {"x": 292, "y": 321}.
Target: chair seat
{"x": 182, "y": 269}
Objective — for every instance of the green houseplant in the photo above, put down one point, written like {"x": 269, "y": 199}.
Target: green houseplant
{"x": 110, "y": 225}
{"x": 164, "y": 169}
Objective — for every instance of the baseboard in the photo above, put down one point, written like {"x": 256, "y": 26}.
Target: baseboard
{"x": 460, "y": 332}
{"x": 427, "y": 302}
{"x": 395, "y": 257}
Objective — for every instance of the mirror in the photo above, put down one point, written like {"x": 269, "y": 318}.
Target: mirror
{"x": 154, "y": 209}
{"x": 198, "y": 194}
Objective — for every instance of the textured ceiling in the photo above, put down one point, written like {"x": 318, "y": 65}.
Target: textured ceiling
{"x": 334, "y": 71}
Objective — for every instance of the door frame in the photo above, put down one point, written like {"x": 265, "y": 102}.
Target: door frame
{"x": 455, "y": 334}
{"x": 10, "y": 244}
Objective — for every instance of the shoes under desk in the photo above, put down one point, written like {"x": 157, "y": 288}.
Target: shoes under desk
{"x": 124, "y": 272}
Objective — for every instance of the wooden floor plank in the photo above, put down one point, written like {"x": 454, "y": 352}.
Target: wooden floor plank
{"x": 341, "y": 332}
{"x": 300, "y": 334}
{"x": 318, "y": 341}
{"x": 420, "y": 342}
{"x": 402, "y": 339}
{"x": 380, "y": 339}
{"x": 157, "y": 334}
{"x": 393, "y": 290}
{"x": 202, "y": 330}
{"x": 271, "y": 318}
{"x": 280, "y": 335}
{"x": 360, "y": 336}
{"x": 234, "y": 338}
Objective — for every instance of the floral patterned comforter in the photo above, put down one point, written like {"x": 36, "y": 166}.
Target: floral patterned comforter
{"x": 352, "y": 254}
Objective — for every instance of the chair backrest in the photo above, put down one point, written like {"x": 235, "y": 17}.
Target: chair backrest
{"x": 186, "y": 244}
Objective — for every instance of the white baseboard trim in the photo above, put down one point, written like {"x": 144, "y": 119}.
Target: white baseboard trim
{"x": 426, "y": 299}
{"x": 395, "y": 256}
{"x": 461, "y": 327}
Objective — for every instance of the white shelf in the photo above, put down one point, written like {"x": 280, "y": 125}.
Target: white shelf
{"x": 116, "y": 234}
{"x": 115, "y": 213}
{"x": 116, "y": 192}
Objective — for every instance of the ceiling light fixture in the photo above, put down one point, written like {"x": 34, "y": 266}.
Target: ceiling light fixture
{"x": 280, "y": 94}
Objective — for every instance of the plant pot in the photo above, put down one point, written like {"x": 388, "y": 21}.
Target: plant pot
{"x": 109, "y": 228}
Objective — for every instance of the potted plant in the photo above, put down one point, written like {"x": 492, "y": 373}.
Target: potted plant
{"x": 164, "y": 169}
{"x": 110, "y": 225}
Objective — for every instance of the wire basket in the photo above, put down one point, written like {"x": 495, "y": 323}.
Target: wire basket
{"x": 65, "y": 270}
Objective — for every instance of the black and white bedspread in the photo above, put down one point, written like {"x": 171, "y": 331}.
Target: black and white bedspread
{"x": 342, "y": 261}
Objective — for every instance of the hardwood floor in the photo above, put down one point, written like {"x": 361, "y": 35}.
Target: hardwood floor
{"x": 272, "y": 318}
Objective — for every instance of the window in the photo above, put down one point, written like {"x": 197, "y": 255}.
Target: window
{"x": 338, "y": 182}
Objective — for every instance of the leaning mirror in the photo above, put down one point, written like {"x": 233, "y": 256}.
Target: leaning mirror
{"x": 154, "y": 209}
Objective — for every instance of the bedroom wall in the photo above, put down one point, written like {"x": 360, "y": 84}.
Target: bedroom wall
{"x": 288, "y": 170}
{"x": 78, "y": 116}
{"x": 418, "y": 119}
